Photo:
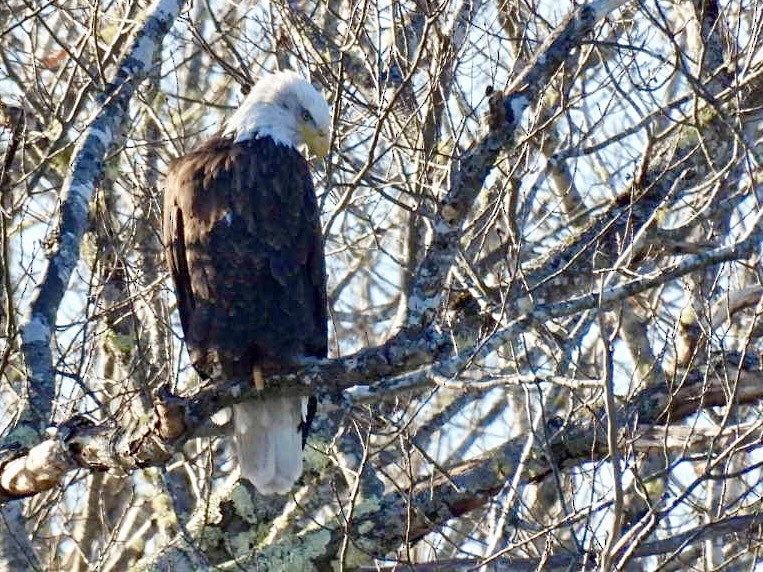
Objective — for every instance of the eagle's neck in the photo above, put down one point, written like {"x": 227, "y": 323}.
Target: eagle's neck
{"x": 256, "y": 119}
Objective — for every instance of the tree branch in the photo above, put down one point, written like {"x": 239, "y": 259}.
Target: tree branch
{"x": 585, "y": 561}
{"x": 87, "y": 167}
{"x": 507, "y": 110}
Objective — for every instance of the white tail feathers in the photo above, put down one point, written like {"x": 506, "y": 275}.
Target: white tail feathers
{"x": 269, "y": 442}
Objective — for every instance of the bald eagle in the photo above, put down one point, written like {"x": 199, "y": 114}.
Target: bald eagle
{"x": 243, "y": 244}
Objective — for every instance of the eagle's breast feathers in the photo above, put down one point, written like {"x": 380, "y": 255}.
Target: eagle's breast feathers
{"x": 243, "y": 230}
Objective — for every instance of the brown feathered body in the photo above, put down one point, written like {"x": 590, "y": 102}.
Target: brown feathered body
{"x": 243, "y": 239}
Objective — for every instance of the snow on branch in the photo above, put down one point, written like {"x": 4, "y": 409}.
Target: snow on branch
{"x": 85, "y": 171}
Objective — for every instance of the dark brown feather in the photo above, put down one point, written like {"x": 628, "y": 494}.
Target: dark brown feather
{"x": 243, "y": 240}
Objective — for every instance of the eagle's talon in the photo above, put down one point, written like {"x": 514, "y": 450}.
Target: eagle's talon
{"x": 258, "y": 378}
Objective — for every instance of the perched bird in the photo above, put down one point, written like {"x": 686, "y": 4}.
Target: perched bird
{"x": 243, "y": 243}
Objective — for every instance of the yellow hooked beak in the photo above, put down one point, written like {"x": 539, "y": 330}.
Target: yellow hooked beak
{"x": 317, "y": 141}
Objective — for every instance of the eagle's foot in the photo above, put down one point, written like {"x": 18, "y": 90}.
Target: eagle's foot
{"x": 258, "y": 378}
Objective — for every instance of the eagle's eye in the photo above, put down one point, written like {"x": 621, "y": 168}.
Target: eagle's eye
{"x": 306, "y": 117}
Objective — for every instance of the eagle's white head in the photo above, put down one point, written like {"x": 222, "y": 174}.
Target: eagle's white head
{"x": 287, "y": 108}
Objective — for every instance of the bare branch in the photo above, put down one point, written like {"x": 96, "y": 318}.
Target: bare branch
{"x": 86, "y": 168}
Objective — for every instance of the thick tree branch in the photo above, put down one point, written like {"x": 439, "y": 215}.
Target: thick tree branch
{"x": 461, "y": 488}
{"x": 507, "y": 110}
{"x": 469, "y": 485}
{"x": 86, "y": 169}
{"x": 585, "y": 561}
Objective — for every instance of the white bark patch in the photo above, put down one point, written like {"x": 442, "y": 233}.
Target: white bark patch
{"x": 442, "y": 226}
{"x": 144, "y": 48}
{"x": 420, "y": 304}
{"x": 222, "y": 417}
{"x": 103, "y": 134}
{"x": 67, "y": 256}
{"x": 38, "y": 470}
{"x": 144, "y": 51}
{"x": 36, "y": 330}
{"x": 518, "y": 106}
{"x": 48, "y": 459}
{"x": 80, "y": 195}
{"x": 358, "y": 392}
{"x": 603, "y": 7}
{"x": 167, "y": 8}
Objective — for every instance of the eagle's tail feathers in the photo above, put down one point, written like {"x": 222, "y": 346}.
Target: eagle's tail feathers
{"x": 269, "y": 442}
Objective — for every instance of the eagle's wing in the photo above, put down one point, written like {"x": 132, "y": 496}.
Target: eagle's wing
{"x": 174, "y": 245}
{"x": 192, "y": 285}
{"x": 243, "y": 239}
